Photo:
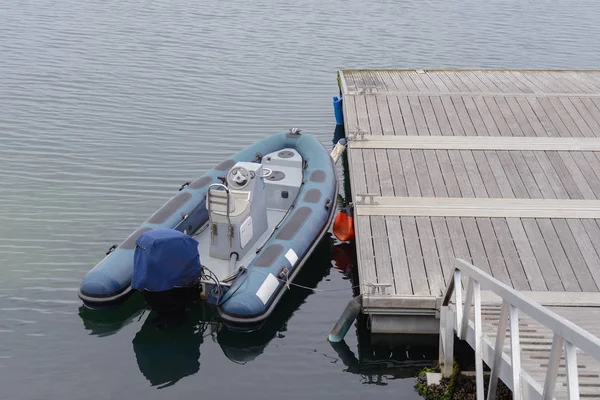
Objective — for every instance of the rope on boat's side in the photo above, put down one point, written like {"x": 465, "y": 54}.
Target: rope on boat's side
{"x": 288, "y": 284}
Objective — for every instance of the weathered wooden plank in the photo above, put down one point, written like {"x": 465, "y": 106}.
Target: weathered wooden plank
{"x": 440, "y": 231}
{"x": 398, "y": 81}
{"x": 425, "y": 185}
{"x": 479, "y": 85}
{"x": 475, "y": 244}
{"x": 396, "y": 116}
{"x": 457, "y": 81}
{"x": 537, "y": 172}
{"x": 387, "y": 81}
{"x": 520, "y": 117}
{"x": 594, "y": 112}
{"x": 451, "y": 184}
{"x": 512, "y": 173}
{"x": 549, "y": 128}
{"x": 443, "y": 242}
{"x": 532, "y": 118}
{"x": 576, "y": 116}
{"x": 416, "y": 78}
{"x": 385, "y": 117}
{"x": 512, "y": 85}
{"x": 460, "y": 248}
{"x": 565, "y": 117}
{"x": 587, "y": 249}
{"x": 587, "y": 172}
{"x": 526, "y": 175}
{"x": 430, "y": 117}
{"x": 447, "y": 115}
{"x": 518, "y": 76}
{"x": 435, "y": 174}
{"x": 370, "y": 163}
{"x": 539, "y": 83}
{"x": 464, "y": 78}
{"x": 555, "y": 83}
{"x": 398, "y": 181}
{"x": 431, "y": 259}
{"x": 578, "y": 264}
{"x": 400, "y": 270}
{"x": 565, "y": 165}
{"x": 565, "y": 177}
{"x": 410, "y": 174}
{"x": 365, "y": 254}
{"x": 492, "y": 250}
{"x": 593, "y": 231}
{"x": 498, "y": 117}
{"x": 582, "y": 87}
{"x": 461, "y": 173}
{"x": 409, "y": 121}
{"x": 416, "y": 266}
{"x": 355, "y": 159}
{"x": 381, "y": 249}
{"x": 499, "y": 174}
{"x": 509, "y": 252}
{"x": 410, "y": 85}
{"x": 469, "y": 116}
{"x": 435, "y": 78}
{"x": 443, "y": 77}
{"x": 560, "y": 127}
{"x": 491, "y": 186}
{"x": 486, "y": 116}
{"x": 544, "y": 259}
{"x": 561, "y": 262}
{"x": 473, "y": 173}
{"x": 587, "y": 116}
{"x": 546, "y": 165}
{"x": 593, "y": 162}
{"x": 417, "y": 112}
{"x": 510, "y": 118}
{"x": 528, "y": 261}
{"x": 429, "y": 82}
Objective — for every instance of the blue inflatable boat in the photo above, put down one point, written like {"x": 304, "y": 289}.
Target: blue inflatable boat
{"x": 239, "y": 234}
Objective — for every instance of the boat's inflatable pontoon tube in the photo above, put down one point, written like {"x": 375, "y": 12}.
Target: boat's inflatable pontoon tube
{"x": 109, "y": 282}
{"x": 254, "y": 294}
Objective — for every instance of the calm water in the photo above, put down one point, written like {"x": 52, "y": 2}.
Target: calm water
{"x": 106, "y": 107}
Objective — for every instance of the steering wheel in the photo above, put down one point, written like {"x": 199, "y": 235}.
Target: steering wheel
{"x": 238, "y": 178}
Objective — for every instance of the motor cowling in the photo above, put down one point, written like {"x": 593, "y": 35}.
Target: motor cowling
{"x": 167, "y": 270}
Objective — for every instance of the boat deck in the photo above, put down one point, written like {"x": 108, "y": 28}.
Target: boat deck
{"x": 499, "y": 168}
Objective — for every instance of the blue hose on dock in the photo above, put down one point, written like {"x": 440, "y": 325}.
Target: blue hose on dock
{"x": 346, "y": 319}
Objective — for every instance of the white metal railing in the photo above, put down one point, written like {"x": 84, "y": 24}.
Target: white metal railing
{"x": 566, "y": 335}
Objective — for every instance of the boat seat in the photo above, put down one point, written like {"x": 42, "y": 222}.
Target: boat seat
{"x": 239, "y": 201}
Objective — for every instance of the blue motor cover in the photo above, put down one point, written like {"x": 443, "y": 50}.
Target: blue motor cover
{"x": 165, "y": 259}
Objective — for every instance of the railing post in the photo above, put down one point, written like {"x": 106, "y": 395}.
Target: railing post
{"x": 553, "y": 363}
{"x": 458, "y": 301}
{"x": 474, "y": 287}
{"x": 498, "y": 349}
{"x": 515, "y": 352}
{"x": 446, "y": 340}
{"x": 572, "y": 374}
{"x": 466, "y": 310}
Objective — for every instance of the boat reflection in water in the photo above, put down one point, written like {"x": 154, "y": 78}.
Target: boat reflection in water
{"x": 167, "y": 351}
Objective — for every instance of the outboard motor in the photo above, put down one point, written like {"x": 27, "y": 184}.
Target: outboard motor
{"x": 167, "y": 270}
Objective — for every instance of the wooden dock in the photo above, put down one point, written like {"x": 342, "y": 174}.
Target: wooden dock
{"x": 499, "y": 168}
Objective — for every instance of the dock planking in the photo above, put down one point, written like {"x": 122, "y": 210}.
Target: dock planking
{"x": 413, "y": 256}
